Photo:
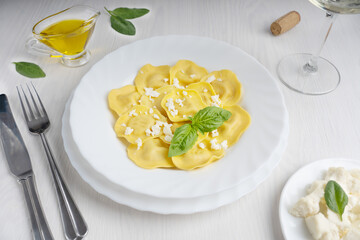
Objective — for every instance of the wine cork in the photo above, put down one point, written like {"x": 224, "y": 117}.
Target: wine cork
{"x": 285, "y": 23}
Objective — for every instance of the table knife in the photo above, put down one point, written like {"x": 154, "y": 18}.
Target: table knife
{"x": 20, "y": 166}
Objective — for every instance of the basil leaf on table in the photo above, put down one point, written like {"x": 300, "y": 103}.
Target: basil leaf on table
{"x": 30, "y": 70}
{"x": 210, "y": 118}
{"x": 183, "y": 140}
{"x": 122, "y": 26}
{"x": 128, "y": 13}
{"x": 118, "y": 18}
{"x": 335, "y": 197}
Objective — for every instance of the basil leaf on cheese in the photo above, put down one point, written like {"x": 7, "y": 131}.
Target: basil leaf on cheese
{"x": 335, "y": 197}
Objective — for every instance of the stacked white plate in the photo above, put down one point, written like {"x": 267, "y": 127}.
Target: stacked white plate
{"x": 100, "y": 157}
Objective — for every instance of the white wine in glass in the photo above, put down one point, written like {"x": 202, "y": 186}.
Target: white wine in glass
{"x": 309, "y": 73}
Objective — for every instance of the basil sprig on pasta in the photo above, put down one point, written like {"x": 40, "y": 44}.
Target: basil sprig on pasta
{"x": 206, "y": 120}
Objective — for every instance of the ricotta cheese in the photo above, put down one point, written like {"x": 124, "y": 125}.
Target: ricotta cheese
{"x": 323, "y": 223}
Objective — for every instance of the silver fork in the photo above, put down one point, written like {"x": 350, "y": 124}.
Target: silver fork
{"x": 38, "y": 122}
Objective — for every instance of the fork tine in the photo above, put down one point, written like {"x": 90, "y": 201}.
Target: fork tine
{"x": 42, "y": 106}
{"x": 33, "y": 100}
{"x": 22, "y": 105}
{"x": 27, "y": 103}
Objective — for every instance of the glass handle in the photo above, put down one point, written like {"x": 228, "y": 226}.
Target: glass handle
{"x": 33, "y": 46}
{"x": 311, "y": 66}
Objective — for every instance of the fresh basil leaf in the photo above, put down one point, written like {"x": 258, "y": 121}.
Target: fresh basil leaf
{"x": 122, "y": 26}
{"x": 128, "y": 13}
{"x": 30, "y": 70}
{"x": 183, "y": 140}
{"x": 335, "y": 197}
{"x": 210, "y": 118}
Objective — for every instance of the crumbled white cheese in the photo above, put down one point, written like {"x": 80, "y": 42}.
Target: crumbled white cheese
{"x": 167, "y": 129}
{"x": 193, "y": 75}
{"x": 177, "y": 93}
{"x": 211, "y": 78}
{"x": 219, "y": 79}
{"x": 180, "y": 101}
{"x": 139, "y": 101}
{"x": 205, "y": 90}
{"x": 166, "y": 79}
{"x": 224, "y": 145}
{"x": 182, "y": 71}
{"x": 159, "y": 123}
{"x": 146, "y": 113}
{"x": 171, "y": 107}
{"x": 151, "y": 100}
{"x": 155, "y": 130}
{"x": 132, "y": 113}
{"x": 176, "y": 83}
{"x": 154, "y": 107}
{"x": 123, "y": 124}
{"x": 215, "y": 101}
{"x": 184, "y": 116}
{"x": 139, "y": 143}
{"x": 128, "y": 130}
{"x": 184, "y": 93}
{"x": 215, "y": 133}
{"x": 151, "y": 111}
{"x": 165, "y": 92}
{"x": 156, "y": 116}
{"x": 215, "y": 145}
{"x": 151, "y": 92}
{"x": 134, "y": 104}
{"x": 148, "y": 132}
{"x": 201, "y": 145}
{"x": 141, "y": 72}
{"x": 168, "y": 138}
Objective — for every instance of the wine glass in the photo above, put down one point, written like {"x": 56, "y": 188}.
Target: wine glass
{"x": 309, "y": 73}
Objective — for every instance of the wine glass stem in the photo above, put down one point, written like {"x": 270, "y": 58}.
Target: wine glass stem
{"x": 311, "y": 66}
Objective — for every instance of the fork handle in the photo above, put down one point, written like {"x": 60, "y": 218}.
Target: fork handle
{"x": 73, "y": 222}
{"x": 40, "y": 228}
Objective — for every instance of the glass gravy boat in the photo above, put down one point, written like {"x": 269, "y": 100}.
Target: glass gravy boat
{"x": 65, "y": 35}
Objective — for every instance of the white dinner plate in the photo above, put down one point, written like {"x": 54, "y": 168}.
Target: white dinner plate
{"x": 91, "y": 121}
{"x": 162, "y": 205}
{"x": 294, "y": 228}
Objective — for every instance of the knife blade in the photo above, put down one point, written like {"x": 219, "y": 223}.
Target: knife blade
{"x": 19, "y": 163}
{"x": 15, "y": 150}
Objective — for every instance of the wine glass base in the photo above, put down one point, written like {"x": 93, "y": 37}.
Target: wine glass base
{"x": 292, "y": 74}
{"x": 76, "y": 61}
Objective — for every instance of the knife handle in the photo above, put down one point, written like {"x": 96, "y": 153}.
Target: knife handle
{"x": 40, "y": 228}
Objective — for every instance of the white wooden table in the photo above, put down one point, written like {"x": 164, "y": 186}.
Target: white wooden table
{"x": 320, "y": 127}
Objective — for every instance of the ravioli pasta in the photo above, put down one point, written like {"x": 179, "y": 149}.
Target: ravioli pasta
{"x": 162, "y": 99}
